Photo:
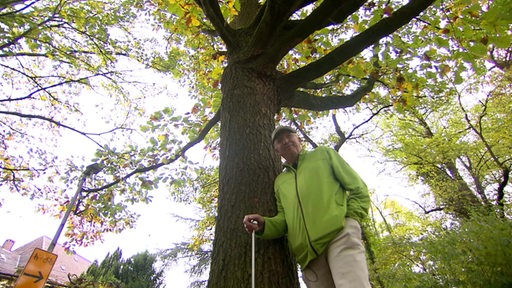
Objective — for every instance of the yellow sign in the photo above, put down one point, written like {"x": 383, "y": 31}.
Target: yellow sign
{"x": 37, "y": 270}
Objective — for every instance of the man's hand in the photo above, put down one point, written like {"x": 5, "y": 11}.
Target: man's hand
{"x": 254, "y": 222}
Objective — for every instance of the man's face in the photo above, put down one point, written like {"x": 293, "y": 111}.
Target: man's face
{"x": 288, "y": 146}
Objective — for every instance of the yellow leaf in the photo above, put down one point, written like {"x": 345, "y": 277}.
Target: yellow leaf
{"x": 162, "y": 137}
{"x": 193, "y": 21}
{"x": 217, "y": 72}
{"x": 232, "y": 9}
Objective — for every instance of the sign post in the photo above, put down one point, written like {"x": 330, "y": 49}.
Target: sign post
{"x": 38, "y": 269}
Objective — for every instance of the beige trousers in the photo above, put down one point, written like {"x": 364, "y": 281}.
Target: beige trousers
{"x": 343, "y": 264}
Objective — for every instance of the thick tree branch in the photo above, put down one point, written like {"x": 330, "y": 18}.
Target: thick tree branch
{"x": 327, "y": 14}
{"x": 212, "y": 11}
{"x": 500, "y": 198}
{"x": 304, "y": 100}
{"x": 354, "y": 46}
{"x": 249, "y": 14}
{"x": 168, "y": 160}
{"x": 275, "y": 12}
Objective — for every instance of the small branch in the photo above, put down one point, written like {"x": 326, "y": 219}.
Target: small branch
{"x": 176, "y": 156}
{"x": 341, "y": 134}
{"x": 304, "y": 135}
{"x": 7, "y": 3}
{"x": 44, "y": 89}
{"x": 425, "y": 210}
{"x": 59, "y": 124}
{"x": 14, "y": 169}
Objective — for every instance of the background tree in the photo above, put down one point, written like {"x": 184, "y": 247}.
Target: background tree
{"x": 416, "y": 249}
{"x": 458, "y": 150}
{"x": 140, "y": 271}
{"x": 108, "y": 271}
{"x": 64, "y": 67}
{"x": 452, "y": 138}
{"x": 451, "y": 135}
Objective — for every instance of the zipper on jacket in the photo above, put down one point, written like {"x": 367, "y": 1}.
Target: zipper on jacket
{"x": 302, "y": 212}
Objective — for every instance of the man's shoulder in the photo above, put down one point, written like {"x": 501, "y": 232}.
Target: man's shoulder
{"x": 322, "y": 149}
{"x": 323, "y": 153}
{"x": 318, "y": 153}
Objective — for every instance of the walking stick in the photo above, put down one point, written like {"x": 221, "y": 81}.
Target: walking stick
{"x": 253, "y": 260}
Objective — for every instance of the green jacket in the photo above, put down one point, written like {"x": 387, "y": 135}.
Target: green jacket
{"x": 313, "y": 201}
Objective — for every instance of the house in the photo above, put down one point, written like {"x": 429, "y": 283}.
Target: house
{"x": 13, "y": 261}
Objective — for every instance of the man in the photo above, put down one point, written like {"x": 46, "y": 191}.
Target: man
{"x": 320, "y": 202}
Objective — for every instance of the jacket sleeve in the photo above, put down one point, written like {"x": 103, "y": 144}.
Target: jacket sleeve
{"x": 275, "y": 227}
{"x": 358, "y": 200}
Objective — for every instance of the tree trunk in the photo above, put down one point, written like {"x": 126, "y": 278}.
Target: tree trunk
{"x": 248, "y": 166}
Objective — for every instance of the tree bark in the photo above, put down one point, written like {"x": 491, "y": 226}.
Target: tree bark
{"x": 248, "y": 167}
